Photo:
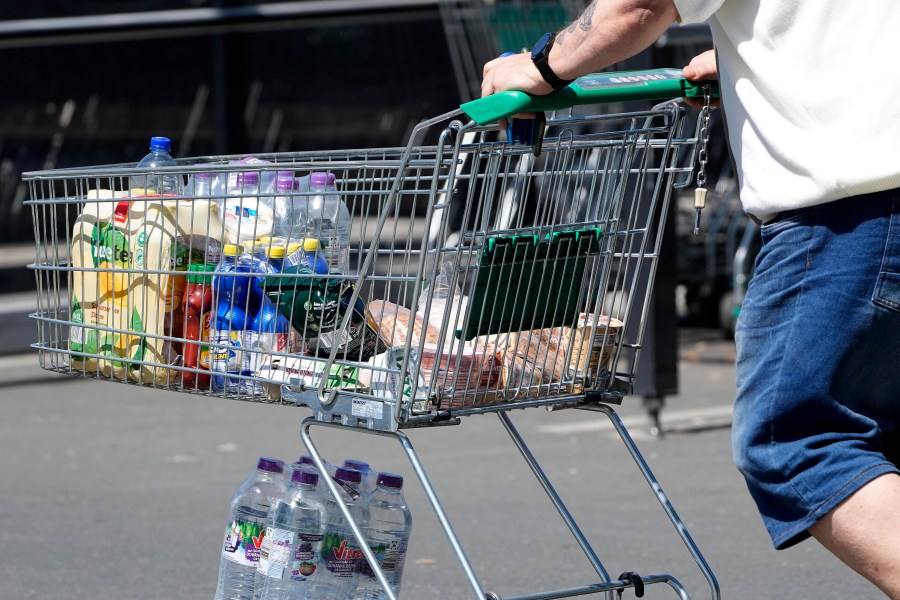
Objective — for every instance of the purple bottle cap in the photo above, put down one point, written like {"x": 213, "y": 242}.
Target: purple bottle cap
{"x": 248, "y": 178}
{"x": 272, "y": 465}
{"x": 391, "y": 480}
{"x": 348, "y": 475}
{"x": 160, "y": 143}
{"x": 307, "y": 477}
{"x": 284, "y": 181}
{"x": 319, "y": 178}
{"x": 203, "y": 175}
{"x": 306, "y": 459}
{"x": 331, "y": 179}
{"x": 358, "y": 465}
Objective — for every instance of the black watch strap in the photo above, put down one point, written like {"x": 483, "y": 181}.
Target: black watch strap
{"x": 540, "y": 56}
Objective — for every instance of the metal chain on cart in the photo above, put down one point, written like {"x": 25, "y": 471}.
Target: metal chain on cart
{"x": 702, "y": 157}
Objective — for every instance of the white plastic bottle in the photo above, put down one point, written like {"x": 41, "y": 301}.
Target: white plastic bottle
{"x": 246, "y": 214}
{"x": 338, "y": 572}
{"x": 154, "y": 184}
{"x": 328, "y": 219}
{"x": 390, "y": 525}
{"x": 292, "y": 547}
{"x": 246, "y": 528}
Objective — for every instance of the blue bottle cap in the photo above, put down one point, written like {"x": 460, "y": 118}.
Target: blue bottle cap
{"x": 160, "y": 143}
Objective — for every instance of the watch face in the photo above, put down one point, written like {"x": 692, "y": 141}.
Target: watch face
{"x": 541, "y": 46}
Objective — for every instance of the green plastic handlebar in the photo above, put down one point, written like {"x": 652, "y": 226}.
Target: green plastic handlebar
{"x": 596, "y": 88}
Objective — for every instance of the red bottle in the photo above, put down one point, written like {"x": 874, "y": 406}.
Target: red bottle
{"x": 198, "y": 302}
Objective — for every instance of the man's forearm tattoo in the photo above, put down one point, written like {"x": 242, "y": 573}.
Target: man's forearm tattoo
{"x": 585, "y": 22}
{"x": 562, "y": 34}
{"x": 587, "y": 16}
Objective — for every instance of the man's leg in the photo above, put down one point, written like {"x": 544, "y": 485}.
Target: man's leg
{"x": 864, "y": 532}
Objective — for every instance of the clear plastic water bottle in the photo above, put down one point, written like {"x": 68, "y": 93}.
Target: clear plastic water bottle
{"x": 270, "y": 335}
{"x": 305, "y": 463}
{"x": 338, "y": 572}
{"x": 369, "y": 477}
{"x": 292, "y": 547}
{"x": 328, "y": 220}
{"x": 390, "y": 525}
{"x": 199, "y": 186}
{"x": 156, "y": 184}
{"x": 246, "y": 529}
{"x": 290, "y": 210}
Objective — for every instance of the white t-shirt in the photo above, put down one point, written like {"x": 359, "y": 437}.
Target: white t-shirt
{"x": 811, "y": 93}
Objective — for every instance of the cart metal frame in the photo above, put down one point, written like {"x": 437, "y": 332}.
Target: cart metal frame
{"x": 586, "y": 199}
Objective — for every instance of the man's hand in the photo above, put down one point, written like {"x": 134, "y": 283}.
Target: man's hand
{"x": 702, "y": 67}
{"x": 514, "y": 72}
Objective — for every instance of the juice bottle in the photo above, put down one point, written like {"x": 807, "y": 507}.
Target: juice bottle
{"x": 174, "y": 233}
{"x": 101, "y": 284}
{"x": 198, "y": 303}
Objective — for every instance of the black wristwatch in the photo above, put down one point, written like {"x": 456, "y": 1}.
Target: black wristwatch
{"x": 540, "y": 55}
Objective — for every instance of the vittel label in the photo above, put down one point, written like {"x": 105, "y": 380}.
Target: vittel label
{"x": 243, "y": 541}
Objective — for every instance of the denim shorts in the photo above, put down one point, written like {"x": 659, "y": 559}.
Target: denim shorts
{"x": 818, "y": 361}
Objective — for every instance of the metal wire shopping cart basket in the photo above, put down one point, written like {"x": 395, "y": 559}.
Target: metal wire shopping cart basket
{"x": 484, "y": 276}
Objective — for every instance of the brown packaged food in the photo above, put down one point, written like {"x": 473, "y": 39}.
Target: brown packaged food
{"x": 393, "y": 324}
{"x": 470, "y": 371}
{"x": 594, "y": 342}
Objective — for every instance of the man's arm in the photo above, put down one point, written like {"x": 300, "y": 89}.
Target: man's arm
{"x": 608, "y": 31}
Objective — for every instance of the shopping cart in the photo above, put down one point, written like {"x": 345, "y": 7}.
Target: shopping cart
{"x": 538, "y": 305}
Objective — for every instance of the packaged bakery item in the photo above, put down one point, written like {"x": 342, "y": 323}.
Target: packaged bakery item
{"x": 590, "y": 346}
{"x": 393, "y": 324}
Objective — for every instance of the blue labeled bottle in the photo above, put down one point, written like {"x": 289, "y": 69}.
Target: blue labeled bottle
{"x": 227, "y": 336}
{"x": 230, "y": 325}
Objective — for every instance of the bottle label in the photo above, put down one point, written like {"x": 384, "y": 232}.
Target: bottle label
{"x": 229, "y": 358}
{"x": 265, "y": 344}
{"x": 275, "y": 552}
{"x": 205, "y": 321}
{"x": 387, "y": 554}
{"x": 243, "y": 541}
{"x": 307, "y": 556}
{"x": 341, "y": 556}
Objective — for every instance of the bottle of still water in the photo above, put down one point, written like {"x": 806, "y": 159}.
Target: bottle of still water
{"x": 338, "y": 572}
{"x": 292, "y": 546}
{"x": 369, "y": 476}
{"x": 328, "y": 220}
{"x": 390, "y": 525}
{"x": 246, "y": 528}
{"x": 154, "y": 184}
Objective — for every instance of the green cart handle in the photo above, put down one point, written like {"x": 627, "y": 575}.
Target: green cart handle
{"x": 596, "y": 88}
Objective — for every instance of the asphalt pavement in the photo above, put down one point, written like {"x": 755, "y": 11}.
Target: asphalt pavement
{"x": 114, "y": 491}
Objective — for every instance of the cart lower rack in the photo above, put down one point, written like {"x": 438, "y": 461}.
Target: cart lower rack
{"x": 467, "y": 276}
